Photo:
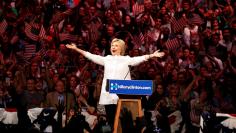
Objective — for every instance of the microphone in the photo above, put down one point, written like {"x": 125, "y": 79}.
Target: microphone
{"x": 107, "y": 86}
{"x": 128, "y": 71}
{"x": 129, "y": 66}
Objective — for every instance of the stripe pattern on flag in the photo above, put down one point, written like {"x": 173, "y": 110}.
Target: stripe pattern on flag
{"x": 138, "y": 39}
{"x": 3, "y": 26}
{"x": 29, "y": 51}
{"x": 67, "y": 36}
{"x": 42, "y": 33}
{"x": 178, "y": 25}
{"x": 196, "y": 19}
{"x": 172, "y": 44}
{"x": 42, "y": 52}
{"x": 137, "y": 9}
{"x": 29, "y": 31}
{"x": 21, "y": 60}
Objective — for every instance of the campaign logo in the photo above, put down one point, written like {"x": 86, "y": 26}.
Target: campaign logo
{"x": 114, "y": 86}
{"x": 131, "y": 87}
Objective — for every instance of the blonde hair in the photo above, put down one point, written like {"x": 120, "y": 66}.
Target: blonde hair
{"x": 121, "y": 43}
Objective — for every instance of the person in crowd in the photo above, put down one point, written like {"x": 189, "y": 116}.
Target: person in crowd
{"x": 5, "y": 98}
{"x": 156, "y": 96}
{"x": 85, "y": 108}
{"x": 34, "y": 98}
{"x": 59, "y": 95}
{"x": 73, "y": 83}
{"x": 144, "y": 25}
{"x": 198, "y": 106}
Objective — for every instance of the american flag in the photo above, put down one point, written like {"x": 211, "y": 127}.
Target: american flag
{"x": 31, "y": 32}
{"x": 67, "y": 36}
{"x": 3, "y": 26}
{"x": 21, "y": 60}
{"x": 138, "y": 39}
{"x": 196, "y": 19}
{"x": 42, "y": 52}
{"x": 29, "y": 51}
{"x": 151, "y": 36}
{"x": 137, "y": 9}
{"x": 172, "y": 44}
{"x": 35, "y": 24}
{"x": 142, "y": 38}
{"x": 227, "y": 122}
{"x": 42, "y": 33}
{"x": 178, "y": 25}
{"x": 59, "y": 16}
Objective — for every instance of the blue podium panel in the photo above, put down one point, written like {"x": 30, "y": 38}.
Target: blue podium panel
{"x": 131, "y": 87}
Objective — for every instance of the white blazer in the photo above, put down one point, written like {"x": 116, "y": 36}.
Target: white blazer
{"x": 115, "y": 67}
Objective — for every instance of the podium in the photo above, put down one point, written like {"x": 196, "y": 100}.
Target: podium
{"x": 129, "y": 92}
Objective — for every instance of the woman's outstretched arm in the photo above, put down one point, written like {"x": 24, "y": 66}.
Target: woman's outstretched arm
{"x": 93, "y": 57}
{"x": 74, "y": 47}
{"x": 139, "y": 59}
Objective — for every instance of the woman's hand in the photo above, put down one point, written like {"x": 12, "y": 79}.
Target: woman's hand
{"x": 157, "y": 54}
{"x": 74, "y": 47}
{"x": 71, "y": 46}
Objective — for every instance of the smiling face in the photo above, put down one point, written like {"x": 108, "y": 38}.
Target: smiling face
{"x": 117, "y": 47}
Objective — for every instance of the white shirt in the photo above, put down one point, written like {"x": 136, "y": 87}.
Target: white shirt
{"x": 115, "y": 67}
{"x": 187, "y": 34}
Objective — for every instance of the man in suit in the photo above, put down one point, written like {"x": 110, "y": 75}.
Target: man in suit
{"x": 60, "y": 96}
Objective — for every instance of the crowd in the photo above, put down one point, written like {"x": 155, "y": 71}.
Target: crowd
{"x": 195, "y": 76}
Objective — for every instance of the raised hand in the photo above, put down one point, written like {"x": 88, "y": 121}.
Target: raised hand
{"x": 71, "y": 46}
{"x": 158, "y": 54}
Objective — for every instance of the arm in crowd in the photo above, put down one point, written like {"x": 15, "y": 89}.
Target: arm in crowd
{"x": 214, "y": 61}
{"x": 188, "y": 89}
{"x": 90, "y": 109}
{"x": 48, "y": 79}
{"x": 220, "y": 68}
{"x": 83, "y": 71}
{"x": 20, "y": 78}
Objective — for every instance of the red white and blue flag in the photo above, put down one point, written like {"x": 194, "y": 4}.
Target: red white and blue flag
{"x": 3, "y": 26}
{"x": 172, "y": 44}
{"x": 177, "y": 25}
